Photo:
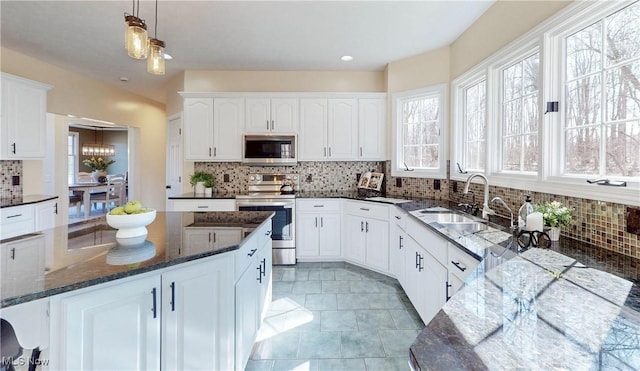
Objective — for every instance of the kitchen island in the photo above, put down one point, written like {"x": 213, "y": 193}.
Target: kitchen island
{"x": 178, "y": 298}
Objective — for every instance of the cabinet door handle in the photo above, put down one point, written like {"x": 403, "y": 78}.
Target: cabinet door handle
{"x": 14, "y": 148}
{"x": 267, "y": 233}
{"x": 397, "y": 217}
{"x": 267, "y": 124}
{"x": 459, "y": 266}
{"x": 154, "y": 308}
{"x": 361, "y": 226}
{"x": 259, "y": 268}
{"x": 316, "y": 222}
{"x": 321, "y": 222}
{"x": 417, "y": 261}
{"x": 400, "y": 246}
{"x": 360, "y": 151}
{"x": 367, "y": 227}
{"x": 215, "y": 151}
{"x": 325, "y": 151}
{"x": 272, "y": 125}
{"x": 253, "y": 251}
{"x": 209, "y": 237}
{"x": 447, "y": 294}
{"x": 55, "y": 208}
{"x": 329, "y": 151}
{"x": 214, "y": 237}
{"x": 264, "y": 267}
{"x": 173, "y": 296}
{"x": 209, "y": 151}
{"x": 420, "y": 268}
{"x": 13, "y": 253}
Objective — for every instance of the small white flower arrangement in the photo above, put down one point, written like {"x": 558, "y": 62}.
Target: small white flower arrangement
{"x": 554, "y": 214}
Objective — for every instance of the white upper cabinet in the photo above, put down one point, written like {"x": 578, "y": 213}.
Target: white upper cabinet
{"x": 23, "y": 119}
{"x": 372, "y": 129}
{"x": 342, "y": 129}
{"x": 272, "y": 115}
{"x": 213, "y": 129}
{"x": 312, "y": 138}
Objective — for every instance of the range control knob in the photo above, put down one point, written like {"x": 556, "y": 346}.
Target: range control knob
{"x": 252, "y": 177}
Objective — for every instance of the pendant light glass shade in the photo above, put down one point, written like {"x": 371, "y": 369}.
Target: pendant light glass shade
{"x": 155, "y": 62}
{"x": 136, "y": 37}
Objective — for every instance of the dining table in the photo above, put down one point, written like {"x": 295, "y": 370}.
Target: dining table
{"x": 87, "y": 188}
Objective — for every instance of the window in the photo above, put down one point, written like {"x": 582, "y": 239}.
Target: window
{"x": 72, "y": 157}
{"x": 520, "y": 115}
{"x": 474, "y": 121}
{"x": 420, "y": 138}
{"x": 602, "y": 95}
{"x": 587, "y": 58}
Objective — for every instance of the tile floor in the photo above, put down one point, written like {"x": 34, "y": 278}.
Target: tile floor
{"x": 335, "y": 316}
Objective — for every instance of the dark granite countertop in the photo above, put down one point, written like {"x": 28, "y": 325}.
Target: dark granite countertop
{"x": 86, "y": 254}
{"x": 24, "y": 200}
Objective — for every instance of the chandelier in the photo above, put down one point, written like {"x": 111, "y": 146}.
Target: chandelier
{"x": 98, "y": 149}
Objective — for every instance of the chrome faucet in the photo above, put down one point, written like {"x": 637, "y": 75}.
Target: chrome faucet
{"x": 512, "y": 225}
{"x": 486, "y": 210}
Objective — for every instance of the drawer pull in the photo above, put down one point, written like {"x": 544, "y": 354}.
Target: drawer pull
{"x": 364, "y": 209}
{"x": 203, "y": 207}
{"x": 14, "y": 216}
{"x": 397, "y": 217}
{"x": 253, "y": 251}
{"x": 458, "y": 266}
{"x": 318, "y": 205}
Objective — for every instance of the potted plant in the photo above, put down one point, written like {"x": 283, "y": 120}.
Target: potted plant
{"x": 555, "y": 216}
{"x": 98, "y": 166}
{"x": 203, "y": 182}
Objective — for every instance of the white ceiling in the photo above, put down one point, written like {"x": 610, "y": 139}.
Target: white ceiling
{"x": 88, "y": 36}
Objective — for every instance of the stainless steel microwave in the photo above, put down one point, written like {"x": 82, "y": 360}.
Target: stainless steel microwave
{"x": 266, "y": 149}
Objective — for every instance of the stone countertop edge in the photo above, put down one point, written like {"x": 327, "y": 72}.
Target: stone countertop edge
{"x": 133, "y": 272}
{"x": 24, "y": 200}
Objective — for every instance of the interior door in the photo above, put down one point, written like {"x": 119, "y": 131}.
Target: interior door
{"x": 174, "y": 157}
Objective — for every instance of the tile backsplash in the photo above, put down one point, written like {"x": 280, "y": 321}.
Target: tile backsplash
{"x": 314, "y": 176}
{"x": 9, "y": 169}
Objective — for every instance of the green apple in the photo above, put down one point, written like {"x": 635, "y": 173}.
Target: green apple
{"x": 118, "y": 211}
{"x": 132, "y": 206}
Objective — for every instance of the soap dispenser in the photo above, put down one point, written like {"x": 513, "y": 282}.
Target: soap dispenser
{"x": 525, "y": 209}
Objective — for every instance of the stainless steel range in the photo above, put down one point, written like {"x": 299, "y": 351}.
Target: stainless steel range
{"x": 271, "y": 192}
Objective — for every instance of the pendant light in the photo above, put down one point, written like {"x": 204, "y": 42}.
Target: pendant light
{"x": 136, "y": 37}
{"x": 155, "y": 62}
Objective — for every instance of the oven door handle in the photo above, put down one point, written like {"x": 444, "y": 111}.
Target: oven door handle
{"x": 286, "y": 205}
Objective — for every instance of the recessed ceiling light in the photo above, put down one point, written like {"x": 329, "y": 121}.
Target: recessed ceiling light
{"x": 346, "y": 58}
{"x": 168, "y": 56}
{"x": 124, "y": 79}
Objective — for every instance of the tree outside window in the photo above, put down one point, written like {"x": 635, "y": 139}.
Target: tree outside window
{"x": 602, "y": 94}
{"x": 474, "y": 121}
{"x": 520, "y": 115}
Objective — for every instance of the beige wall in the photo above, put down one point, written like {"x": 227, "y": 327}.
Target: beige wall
{"x": 419, "y": 71}
{"x": 503, "y": 22}
{"x": 81, "y": 96}
{"x": 174, "y": 100}
{"x": 284, "y": 81}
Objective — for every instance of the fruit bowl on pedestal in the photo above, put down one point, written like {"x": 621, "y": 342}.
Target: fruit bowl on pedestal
{"x": 132, "y": 228}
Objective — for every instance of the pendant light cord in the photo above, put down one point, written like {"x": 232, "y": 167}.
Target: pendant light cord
{"x": 156, "y": 26}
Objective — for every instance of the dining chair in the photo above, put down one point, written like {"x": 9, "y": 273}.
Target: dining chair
{"x": 113, "y": 195}
{"x": 75, "y": 199}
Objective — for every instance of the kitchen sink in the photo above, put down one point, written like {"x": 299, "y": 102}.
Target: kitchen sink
{"x": 453, "y": 218}
{"x": 469, "y": 226}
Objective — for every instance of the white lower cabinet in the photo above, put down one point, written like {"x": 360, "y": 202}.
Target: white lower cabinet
{"x": 319, "y": 221}
{"x": 22, "y": 264}
{"x": 46, "y": 213}
{"x": 197, "y": 316}
{"x": 185, "y": 311}
{"x": 201, "y": 239}
{"x": 111, "y": 328}
{"x": 460, "y": 266}
{"x": 252, "y": 292}
{"x": 367, "y": 234}
{"x": 397, "y": 241}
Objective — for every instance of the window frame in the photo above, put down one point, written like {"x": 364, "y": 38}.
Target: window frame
{"x": 73, "y": 172}
{"x": 548, "y": 38}
{"x": 397, "y": 168}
